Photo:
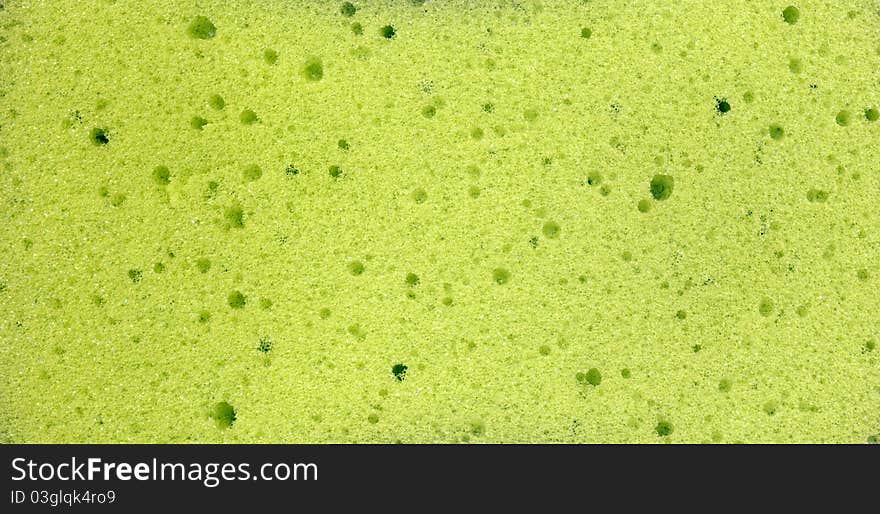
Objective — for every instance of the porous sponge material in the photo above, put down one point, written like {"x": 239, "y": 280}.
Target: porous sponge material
{"x": 573, "y": 221}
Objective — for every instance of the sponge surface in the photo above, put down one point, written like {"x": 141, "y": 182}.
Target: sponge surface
{"x": 573, "y": 221}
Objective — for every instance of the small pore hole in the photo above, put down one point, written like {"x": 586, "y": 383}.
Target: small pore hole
{"x": 270, "y": 56}
{"x": 162, "y": 175}
{"x": 664, "y": 429}
{"x": 348, "y": 9}
{"x": 237, "y": 300}
{"x": 661, "y": 187}
{"x": 551, "y": 229}
{"x": 224, "y": 415}
{"x": 201, "y": 28}
{"x": 356, "y": 268}
{"x": 216, "y": 102}
{"x": 419, "y": 195}
{"x": 776, "y": 132}
{"x": 388, "y": 32}
{"x": 248, "y": 117}
{"x": 399, "y": 371}
{"x": 313, "y": 69}
{"x": 765, "y": 307}
{"x": 198, "y": 123}
{"x": 500, "y": 276}
{"x": 99, "y": 136}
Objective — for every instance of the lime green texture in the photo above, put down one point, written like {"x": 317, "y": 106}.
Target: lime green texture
{"x": 442, "y": 221}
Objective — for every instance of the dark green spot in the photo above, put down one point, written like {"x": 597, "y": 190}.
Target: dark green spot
{"x": 203, "y": 265}
{"x": 593, "y": 377}
{"x": 224, "y": 415}
{"x": 99, "y": 136}
{"x": 202, "y": 28}
{"x": 348, "y": 9}
{"x": 387, "y": 32}
{"x": 664, "y": 428}
{"x": 776, "y": 132}
{"x": 162, "y": 175}
{"x": 197, "y": 122}
{"x": 248, "y": 117}
{"x": 399, "y": 371}
{"x": 135, "y": 275}
{"x": 235, "y": 216}
{"x": 765, "y": 307}
{"x": 216, "y": 102}
{"x": 551, "y": 229}
{"x": 270, "y": 56}
{"x": 237, "y": 300}
{"x": 661, "y": 187}
{"x": 419, "y": 195}
{"x": 356, "y": 268}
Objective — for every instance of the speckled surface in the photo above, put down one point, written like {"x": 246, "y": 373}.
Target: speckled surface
{"x": 574, "y": 221}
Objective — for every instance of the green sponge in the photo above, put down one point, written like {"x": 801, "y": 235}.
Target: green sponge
{"x": 439, "y": 221}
